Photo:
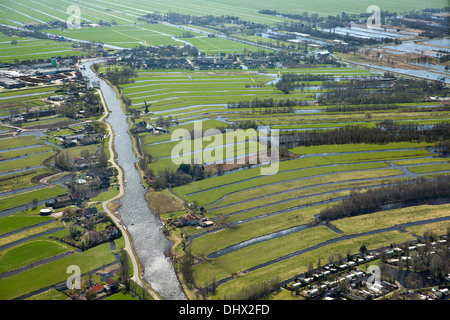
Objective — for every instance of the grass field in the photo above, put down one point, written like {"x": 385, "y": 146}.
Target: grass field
{"x": 31, "y": 48}
{"x": 53, "y": 272}
{"x": 271, "y": 214}
{"x": 93, "y": 11}
{"x": 30, "y": 252}
{"x": 263, "y": 225}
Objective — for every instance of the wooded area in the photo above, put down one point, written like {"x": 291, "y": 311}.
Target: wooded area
{"x": 386, "y": 132}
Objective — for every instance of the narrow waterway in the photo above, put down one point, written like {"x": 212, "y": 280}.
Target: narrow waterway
{"x": 145, "y": 228}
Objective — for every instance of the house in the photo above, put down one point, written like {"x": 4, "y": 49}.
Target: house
{"x": 205, "y": 224}
{"x": 80, "y": 162}
{"x": 112, "y": 232}
{"x": 98, "y": 288}
{"x": 92, "y": 138}
{"x": 11, "y": 83}
{"x": 111, "y": 284}
{"x": 76, "y": 196}
{"x": 62, "y": 201}
{"x": 394, "y": 261}
{"x": 90, "y": 212}
{"x": 313, "y": 292}
{"x": 58, "y": 97}
{"x": 323, "y": 54}
{"x": 75, "y": 137}
{"x": 161, "y": 130}
{"x": 187, "y": 221}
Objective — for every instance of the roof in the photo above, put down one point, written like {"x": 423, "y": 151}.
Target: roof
{"x": 63, "y": 198}
{"x": 98, "y": 287}
{"x": 92, "y": 210}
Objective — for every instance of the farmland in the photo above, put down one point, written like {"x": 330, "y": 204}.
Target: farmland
{"x": 190, "y": 206}
{"x": 31, "y": 178}
{"x": 276, "y": 214}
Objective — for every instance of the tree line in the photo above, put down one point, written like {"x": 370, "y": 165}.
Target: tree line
{"x": 400, "y": 91}
{"x": 185, "y": 174}
{"x": 386, "y": 132}
{"x": 415, "y": 191}
{"x": 267, "y": 103}
{"x": 122, "y": 75}
{"x": 290, "y": 81}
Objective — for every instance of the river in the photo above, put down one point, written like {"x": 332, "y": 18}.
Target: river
{"x": 144, "y": 227}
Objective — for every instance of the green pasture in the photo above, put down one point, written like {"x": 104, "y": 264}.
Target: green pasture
{"x": 16, "y": 142}
{"x": 9, "y": 202}
{"x": 15, "y": 222}
{"x": 356, "y": 147}
{"x": 29, "y": 161}
{"x": 30, "y": 252}
{"x": 384, "y": 219}
{"x": 212, "y": 242}
{"x": 296, "y": 265}
{"x": 281, "y": 191}
{"x": 245, "y": 258}
{"x": 430, "y": 168}
{"x": 30, "y": 48}
{"x": 54, "y": 272}
{"x": 22, "y": 235}
{"x": 23, "y": 179}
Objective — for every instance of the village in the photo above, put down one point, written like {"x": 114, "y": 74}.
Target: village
{"x": 384, "y": 273}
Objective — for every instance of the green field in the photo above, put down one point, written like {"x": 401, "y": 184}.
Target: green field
{"x": 94, "y": 11}
{"x": 31, "y": 48}
{"x": 127, "y": 31}
{"x": 264, "y": 225}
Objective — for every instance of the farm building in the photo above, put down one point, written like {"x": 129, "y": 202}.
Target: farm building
{"x": 11, "y": 83}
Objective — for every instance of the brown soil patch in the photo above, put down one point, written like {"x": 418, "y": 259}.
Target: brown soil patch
{"x": 161, "y": 202}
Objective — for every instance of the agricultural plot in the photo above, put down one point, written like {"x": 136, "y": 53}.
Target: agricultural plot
{"x": 262, "y": 226}
{"x": 124, "y": 36}
{"x": 275, "y": 214}
{"x": 214, "y": 46}
{"x": 30, "y": 48}
{"x": 92, "y": 12}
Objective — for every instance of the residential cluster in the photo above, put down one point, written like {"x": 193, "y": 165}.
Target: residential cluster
{"x": 384, "y": 273}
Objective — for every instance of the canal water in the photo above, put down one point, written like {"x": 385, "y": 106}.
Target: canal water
{"x": 145, "y": 228}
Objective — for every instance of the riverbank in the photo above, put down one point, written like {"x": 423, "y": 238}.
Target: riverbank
{"x": 129, "y": 247}
{"x": 145, "y": 230}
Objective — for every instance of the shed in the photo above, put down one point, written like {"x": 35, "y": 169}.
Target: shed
{"x": 313, "y": 292}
